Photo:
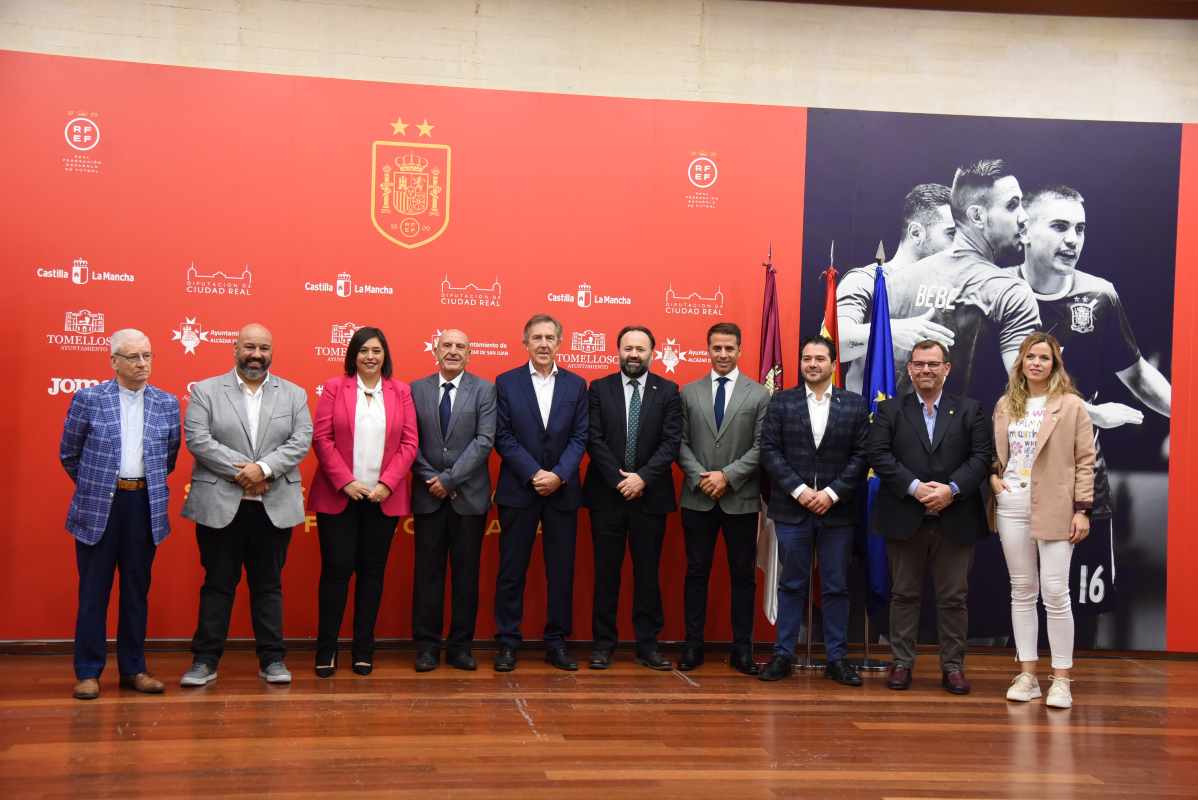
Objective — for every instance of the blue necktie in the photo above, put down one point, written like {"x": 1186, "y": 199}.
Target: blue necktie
{"x": 719, "y": 402}
{"x": 445, "y": 407}
{"x": 634, "y": 424}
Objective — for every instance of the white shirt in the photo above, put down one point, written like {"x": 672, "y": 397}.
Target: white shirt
{"x": 627, "y": 381}
{"x": 453, "y": 395}
{"x": 544, "y": 389}
{"x": 253, "y": 408}
{"x": 728, "y": 387}
{"x": 818, "y": 410}
{"x": 133, "y": 419}
{"x": 370, "y": 432}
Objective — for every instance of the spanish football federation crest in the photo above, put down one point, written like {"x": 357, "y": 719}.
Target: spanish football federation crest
{"x": 410, "y": 188}
{"x": 1081, "y": 317}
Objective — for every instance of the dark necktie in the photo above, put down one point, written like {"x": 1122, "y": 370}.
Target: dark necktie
{"x": 445, "y": 407}
{"x": 634, "y": 424}
{"x": 719, "y": 402}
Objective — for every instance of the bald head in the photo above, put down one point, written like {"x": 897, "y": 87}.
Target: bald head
{"x": 253, "y": 352}
{"x": 453, "y": 353}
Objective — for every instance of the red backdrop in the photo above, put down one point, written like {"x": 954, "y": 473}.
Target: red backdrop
{"x": 128, "y": 175}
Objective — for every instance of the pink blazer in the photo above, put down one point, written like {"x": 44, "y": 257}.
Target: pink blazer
{"x": 333, "y": 440}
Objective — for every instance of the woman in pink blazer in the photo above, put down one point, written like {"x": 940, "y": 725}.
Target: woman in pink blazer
{"x": 365, "y": 440}
{"x": 1043, "y": 486}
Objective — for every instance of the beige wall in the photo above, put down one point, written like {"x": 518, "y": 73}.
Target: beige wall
{"x": 720, "y": 50}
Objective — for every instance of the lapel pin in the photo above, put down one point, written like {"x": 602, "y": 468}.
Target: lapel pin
{"x": 950, "y": 412}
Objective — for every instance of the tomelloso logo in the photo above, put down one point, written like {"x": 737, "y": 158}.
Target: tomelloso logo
{"x": 82, "y": 331}
{"x": 70, "y": 385}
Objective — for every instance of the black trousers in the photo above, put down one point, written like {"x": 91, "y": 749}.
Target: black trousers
{"x": 642, "y": 534}
{"x": 127, "y": 544}
{"x": 441, "y": 536}
{"x": 251, "y": 542}
{"x": 356, "y": 541}
{"x": 701, "y": 529}
{"x": 519, "y": 534}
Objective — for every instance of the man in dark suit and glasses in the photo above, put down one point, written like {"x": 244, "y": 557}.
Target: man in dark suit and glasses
{"x": 813, "y": 450}
{"x": 540, "y": 435}
{"x": 635, "y": 430}
{"x": 451, "y": 494}
{"x": 932, "y": 452}
{"x": 722, "y": 414}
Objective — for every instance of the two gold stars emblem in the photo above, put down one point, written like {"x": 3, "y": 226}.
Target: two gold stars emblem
{"x": 400, "y": 128}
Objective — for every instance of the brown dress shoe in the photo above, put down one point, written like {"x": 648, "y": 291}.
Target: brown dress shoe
{"x": 87, "y": 689}
{"x": 954, "y": 682}
{"x": 142, "y": 682}
{"x": 900, "y": 677}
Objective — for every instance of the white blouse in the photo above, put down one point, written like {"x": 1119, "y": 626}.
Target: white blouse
{"x": 370, "y": 431}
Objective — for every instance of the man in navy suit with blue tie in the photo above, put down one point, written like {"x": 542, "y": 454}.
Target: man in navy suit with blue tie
{"x": 119, "y": 443}
{"x": 813, "y": 450}
{"x": 540, "y": 435}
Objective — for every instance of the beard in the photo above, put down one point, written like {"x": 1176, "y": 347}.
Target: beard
{"x": 253, "y": 367}
{"x": 633, "y": 369}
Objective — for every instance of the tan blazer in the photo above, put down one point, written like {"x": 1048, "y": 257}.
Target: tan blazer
{"x": 1063, "y": 470}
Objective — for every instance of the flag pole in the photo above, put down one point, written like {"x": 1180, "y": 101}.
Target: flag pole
{"x": 868, "y": 664}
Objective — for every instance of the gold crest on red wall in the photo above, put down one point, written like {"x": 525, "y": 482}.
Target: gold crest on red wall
{"x": 410, "y": 187}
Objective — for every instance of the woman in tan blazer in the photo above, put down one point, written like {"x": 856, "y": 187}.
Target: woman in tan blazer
{"x": 1043, "y": 483}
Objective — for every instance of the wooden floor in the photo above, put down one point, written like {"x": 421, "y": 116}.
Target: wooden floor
{"x": 628, "y": 732}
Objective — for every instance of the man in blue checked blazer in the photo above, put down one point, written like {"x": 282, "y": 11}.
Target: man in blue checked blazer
{"x": 118, "y": 445}
{"x": 813, "y": 450}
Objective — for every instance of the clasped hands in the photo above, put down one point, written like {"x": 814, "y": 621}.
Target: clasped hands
{"x": 251, "y": 478}
{"x": 545, "y": 482}
{"x": 356, "y": 490}
{"x": 714, "y": 484}
{"x": 817, "y": 503}
{"x": 935, "y": 496}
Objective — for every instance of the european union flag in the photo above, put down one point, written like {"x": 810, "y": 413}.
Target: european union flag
{"x": 878, "y": 385}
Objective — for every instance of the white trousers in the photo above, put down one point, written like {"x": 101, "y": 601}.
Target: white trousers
{"x": 1036, "y": 568}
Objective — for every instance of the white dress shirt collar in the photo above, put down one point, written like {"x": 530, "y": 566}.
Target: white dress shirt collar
{"x": 533, "y": 369}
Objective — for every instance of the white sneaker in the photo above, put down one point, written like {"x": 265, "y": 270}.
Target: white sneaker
{"x": 1059, "y": 695}
{"x": 1024, "y": 688}
{"x": 275, "y": 672}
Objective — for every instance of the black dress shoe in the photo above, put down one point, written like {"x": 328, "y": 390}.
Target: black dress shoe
{"x": 461, "y": 659}
{"x": 744, "y": 664}
{"x": 600, "y": 659}
{"x": 899, "y": 678}
{"x": 779, "y": 667}
{"x": 560, "y": 658}
{"x": 842, "y": 672}
{"x": 692, "y": 657}
{"x": 326, "y": 664}
{"x": 363, "y": 668}
{"x": 653, "y": 660}
{"x": 427, "y": 661}
{"x": 505, "y": 659}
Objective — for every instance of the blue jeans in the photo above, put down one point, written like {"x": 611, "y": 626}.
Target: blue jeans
{"x": 795, "y": 545}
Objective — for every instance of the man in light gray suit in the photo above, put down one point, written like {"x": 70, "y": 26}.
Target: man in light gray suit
{"x": 722, "y": 414}
{"x": 248, "y": 430}
{"x": 451, "y": 495}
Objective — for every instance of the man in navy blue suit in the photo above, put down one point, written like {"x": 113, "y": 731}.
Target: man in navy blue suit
{"x": 119, "y": 443}
{"x": 813, "y": 450}
{"x": 540, "y": 435}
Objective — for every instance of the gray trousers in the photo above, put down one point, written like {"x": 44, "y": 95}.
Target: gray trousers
{"x": 949, "y": 562}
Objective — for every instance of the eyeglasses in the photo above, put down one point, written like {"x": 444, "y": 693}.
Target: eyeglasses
{"x": 135, "y": 357}
{"x": 922, "y": 365}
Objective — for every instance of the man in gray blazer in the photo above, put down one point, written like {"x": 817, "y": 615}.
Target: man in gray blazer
{"x": 451, "y": 495}
{"x": 722, "y": 414}
{"x": 248, "y": 430}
